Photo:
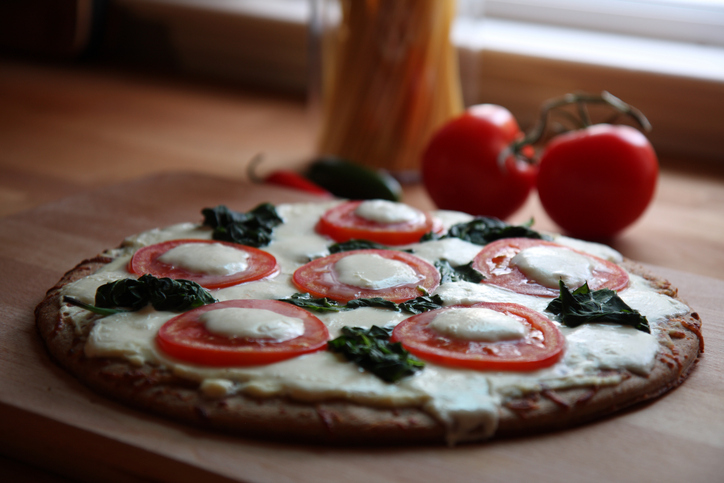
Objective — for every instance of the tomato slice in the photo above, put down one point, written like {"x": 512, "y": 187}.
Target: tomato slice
{"x": 494, "y": 261}
{"x": 320, "y": 278}
{"x": 542, "y": 346}
{"x": 260, "y": 264}
{"x": 342, "y": 224}
{"x": 186, "y": 337}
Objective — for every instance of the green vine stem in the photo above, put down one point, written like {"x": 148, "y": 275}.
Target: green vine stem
{"x": 581, "y": 101}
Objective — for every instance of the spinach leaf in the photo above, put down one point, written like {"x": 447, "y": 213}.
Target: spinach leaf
{"x": 414, "y": 306}
{"x": 130, "y": 295}
{"x": 253, "y": 228}
{"x": 483, "y": 230}
{"x": 422, "y": 304}
{"x": 586, "y": 306}
{"x": 372, "y": 302}
{"x": 372, "y": 350}
{"x": 462, "y": 273}
{"x": 355, "y": 245}
{"x": 306, "y": 301}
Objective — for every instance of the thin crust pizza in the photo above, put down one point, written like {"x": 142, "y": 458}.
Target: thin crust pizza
{"x": 368, "y": 322}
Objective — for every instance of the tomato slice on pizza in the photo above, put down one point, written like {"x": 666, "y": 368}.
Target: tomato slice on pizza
{"x": 484, "y": 336}
{"x": 392, "y": 275}
{"x": 212, "y": 264}
{"x": 242, "y": 333}
{"x": 380, "y": 221}
{"x": 534, "y": 267}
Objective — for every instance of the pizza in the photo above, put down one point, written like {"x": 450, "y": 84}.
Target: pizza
{"x": 356, "y": 322}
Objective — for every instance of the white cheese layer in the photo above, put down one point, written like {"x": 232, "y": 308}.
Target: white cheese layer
{"x": 371, "y": 271}
{"x": 252, "y": 323}
{"x": 548, "y": 265}
{"x": 467, "y": 402}
{"x": 478, "y": 324}
{"x": 388, "y": 212}
{"x": 208, "y": 258}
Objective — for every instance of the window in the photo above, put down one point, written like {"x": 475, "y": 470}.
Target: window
{"x": 664, "y": 56}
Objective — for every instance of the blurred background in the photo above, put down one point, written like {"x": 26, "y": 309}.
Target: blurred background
{"x": 664, "y": 56}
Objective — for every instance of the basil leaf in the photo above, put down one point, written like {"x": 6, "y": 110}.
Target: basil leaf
{"x": 130, "y": 295}
{"x": 483, "y": 230}
{"x": 414, "y": 306}
{"x": 306, "y": 301}
{"x": 422, "y": 304}
{"x": 372, "y": 302}
{"x": 372, "y": 350}
{"x": 253, "y": 229}
{"x": 462, "y": 273}
{"x": 586, "y": 306}
{"x": 355, "y": 245}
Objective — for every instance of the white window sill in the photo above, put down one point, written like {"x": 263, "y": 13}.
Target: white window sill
{"x": 679, "y": 86}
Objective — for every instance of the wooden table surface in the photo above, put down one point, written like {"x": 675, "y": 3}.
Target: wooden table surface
{"x": 67, "y": 129}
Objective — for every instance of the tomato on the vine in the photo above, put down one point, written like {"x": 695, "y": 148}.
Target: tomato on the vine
{"x": 461, "y": 166}
{"x": 596, "y": 181}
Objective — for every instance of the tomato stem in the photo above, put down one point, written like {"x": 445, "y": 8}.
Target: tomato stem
{"x": 581, "y": 101}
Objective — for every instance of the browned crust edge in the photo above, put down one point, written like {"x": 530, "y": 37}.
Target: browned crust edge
{"x": 156, "y": 390}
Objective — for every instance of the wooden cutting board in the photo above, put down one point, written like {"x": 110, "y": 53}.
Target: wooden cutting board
{"x": 49, "y": 419}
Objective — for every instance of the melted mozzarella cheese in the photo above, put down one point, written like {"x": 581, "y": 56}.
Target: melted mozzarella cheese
{"x": 467, "y": 402}
{"x": 371, "y": 271}
{"x": 387, "y": 212}
{"x": 478, "y": 324}
{"x": 209, "y": 258}
{"x": 252, "y": 323}
{"x": 611, "y": 346}
{"x": 548, "y": 265}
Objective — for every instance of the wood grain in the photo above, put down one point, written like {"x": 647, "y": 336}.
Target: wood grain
{"x": 52, "y": 420}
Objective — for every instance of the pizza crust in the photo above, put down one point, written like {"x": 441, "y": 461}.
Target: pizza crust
{"x": 155, "y": 389}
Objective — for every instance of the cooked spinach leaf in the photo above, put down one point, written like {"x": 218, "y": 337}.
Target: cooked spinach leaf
{"x": 372, "y": 350}
{"x": 306, "y": 301}
{"x": 586, "y": 306}
{"x": 462, "y": 273}
{"x": 356, "y": 245}
{"x": 422, "y": 304}
{"x": 414, "y": 306}
{"x": 483, "y": 230}
{"x": 372, "y": 302}
{"x": 253, "y": 228}
{"x": 130, "y": 294}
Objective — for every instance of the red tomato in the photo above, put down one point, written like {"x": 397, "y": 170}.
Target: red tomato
{"x": 260, "y": 265}
{"x": 341, "y": 223}
{"x": 596, "y": 181}
{"x": 542, "y": 346}
{"x": 461, "y": 169}
{"x": 320, "y": 279}
{"x": 493, "y": 261}
{"x": 186, "y": 337}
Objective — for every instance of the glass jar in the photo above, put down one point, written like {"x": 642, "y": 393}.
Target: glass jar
{"x": 387, "y": 78}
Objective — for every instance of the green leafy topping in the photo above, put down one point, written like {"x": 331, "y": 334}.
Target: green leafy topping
{"x": 355, "y": 245}
{"x": 372, "y": 350}
{"x": 422, "y": 304}
{"x": 586, "y": 306}
{"x": 462, "y": 273}
{"x": 306, "y": 301}
{"x": 253, "y": 228}
{"x": 483, "y": 230}
{"x": 372, "y": 302}
{"x": 130, "y": 294}
{"x": 414, "y": 306}
{"x": 359, "y": 244}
